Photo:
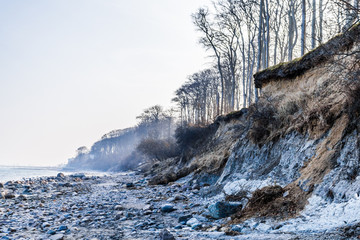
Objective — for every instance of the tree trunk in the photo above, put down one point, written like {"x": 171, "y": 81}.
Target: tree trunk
{"x": 313, "y": 25}
{"x": 303, "y": 27}
{"x": 291, "y": 31}
{"x": 260, "y": 43}
{"x": 321, "y": 19}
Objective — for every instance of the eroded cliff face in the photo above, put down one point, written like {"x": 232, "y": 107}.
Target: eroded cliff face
{"x": 303, "y": 135}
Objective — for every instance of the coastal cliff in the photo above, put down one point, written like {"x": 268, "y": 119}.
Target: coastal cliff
{"x": 302, "y": 136}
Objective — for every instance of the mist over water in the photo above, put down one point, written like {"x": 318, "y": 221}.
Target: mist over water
{"x": 17, "y": 173}
{"x": 8, "y": 173}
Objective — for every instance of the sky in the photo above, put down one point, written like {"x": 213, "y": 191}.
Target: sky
{"x": 73, "y": 70}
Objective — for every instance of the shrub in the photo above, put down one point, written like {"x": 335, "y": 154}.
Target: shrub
{"x": 158, "y": 149}
{"x": 189, "y": 136}
{"x": 262, "y": 122}
{"x": 353, "y": 102}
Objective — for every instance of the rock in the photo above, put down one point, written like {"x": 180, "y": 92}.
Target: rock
{"x": 167, "y": 208}
{"x": 129, "y": 185}
{"x": 62, "y": 228}
{"x": 118, "y": 208}
{"x": 179, "y": 197}
{"x": 262, "y": 227}
{"x": 51, "y": 232}
{"x": 213, "y": 229}
{"x": 45, "y": 225}
{"x": 78, "y": 175}
{"x": 166, "y": 235}
{"x": 27, "y": 191}
{"x": 22, "y": 197}
{"x": 196, "y": 226}
{"x": 223, "y": 209}
{"x": 236, "y": 228}
{"x": 147, "y": 207}
{"x": 129, "y": 215}
{"x": 9, "y": 196}
{"x": 60, "y": 175}
{"x": 1, "y": 185}
{"x": 184, "y": 219}
{"x": 148, "y": 212}
{"x": 193, "y": 222}
{"x": 57, "y": 237}
{"x": 172, "y": 199}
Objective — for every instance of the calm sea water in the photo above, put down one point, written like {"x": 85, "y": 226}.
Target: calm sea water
{"x": 18, "y": 173}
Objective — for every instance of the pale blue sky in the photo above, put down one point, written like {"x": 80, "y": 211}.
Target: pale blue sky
{"x": 72, "y": 70}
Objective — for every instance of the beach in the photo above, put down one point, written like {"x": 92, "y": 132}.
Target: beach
{"x": 117, "y": 206}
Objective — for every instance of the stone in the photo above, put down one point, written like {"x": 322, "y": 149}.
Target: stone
{"x": 9, "y": 196}
{"x": 129, "y": 185}
{"x": 57, "y": 237}
{"x": 62, "y": 228}
{"x": 45, "y": 225}
{"x": 196, "y": 226}
{"x": 27, "y": 191}
{"x": 184, "y": 219}
{"x": 213, "y": 229}
{"x": 51, "y": 232}
{"x": 179, "y": 197}
{"x": 129, "y": 215}
{"x": 167, "y": 208}
{"x": 78, "y": 175}
{"x": 21, "y": 197}
{"x": 60, "y": 175}
{"x": 236, "y": 228}
{"x": 172, "y": 199}
{"x": 118, "y": 208}
{"x": 223, "y": 209}
{"x": 166, "y": 235}
{"x": 147, "y": 207}
{"x": 263, "y": 227}
{"x": 192, "y": 222}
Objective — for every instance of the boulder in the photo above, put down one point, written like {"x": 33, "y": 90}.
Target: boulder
{"x": 78, "y": 175}
{"x": 9, "y": 196}
{"x": 167, "y": 208}
{"x": 129, "y": 185}
{"x": 166, "y": 235}
{"x": 60, "y": 175}
{"x": 184, "y": 219}
{"x": 194, "y": 223}
{"x": 223, "y": 209}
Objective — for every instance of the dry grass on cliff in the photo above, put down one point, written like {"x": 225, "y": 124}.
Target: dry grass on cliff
{"x": 273, "y": 201}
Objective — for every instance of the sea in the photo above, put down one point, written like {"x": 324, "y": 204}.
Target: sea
{"x": 19, "y": 173}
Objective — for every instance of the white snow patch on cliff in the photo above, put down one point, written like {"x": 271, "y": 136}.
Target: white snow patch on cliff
{"x": 231, "y": 188}
{"x": 320, "y": 215}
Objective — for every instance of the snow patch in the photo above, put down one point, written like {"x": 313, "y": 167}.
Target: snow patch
{"x": 319, "y": 215}
{"x": 231, "y": 188}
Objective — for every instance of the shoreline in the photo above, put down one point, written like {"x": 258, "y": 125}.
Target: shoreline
{"x": 117, "y": 206}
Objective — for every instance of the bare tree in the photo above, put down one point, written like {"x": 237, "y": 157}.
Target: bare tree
{"x": 210, "y": 41}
